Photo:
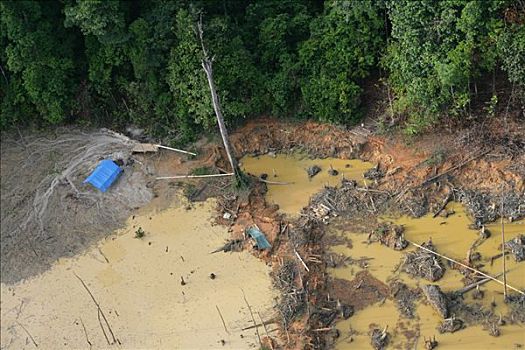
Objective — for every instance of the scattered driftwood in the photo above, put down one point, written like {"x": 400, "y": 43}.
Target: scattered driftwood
{"x": 466, "y": 267}
{"x": 262, "y": 324}
{"x": 85, "y": 333}
{"x": 275, "y": 182}
{"x": 222, "y": 319}
{"x": 253, "y": 318}
{"x": 437, "y": 299}
{"x": 301, "y": 260}
{"x": 191, "y": 176}
{"x": 176, "y": 150}
{"x": 481, "y": 205}
{"x": 268, "y": 338}
{"x": 390, "y": 235}
{"x": 517, "y": 306}
{"x": 424, "y": 263}
{"x": 292, "y": 301}
{"x": 29, "y": 334}
{"x": 475, "y": 285}
{"x": 149, "y": 147}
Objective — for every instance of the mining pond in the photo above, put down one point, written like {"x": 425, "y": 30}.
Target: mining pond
{"x": 299, "y": 187}
{"x": 452, "y": 238}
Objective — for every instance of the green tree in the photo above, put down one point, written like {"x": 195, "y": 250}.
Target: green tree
{"x": 38, "y": 64}
{"x": 343, "y": 47}
{"x": 437, "y": 49}
{"x": 274, "y": 31}
{"x": 234, "y": 72}
{"x": 511, "y": 44}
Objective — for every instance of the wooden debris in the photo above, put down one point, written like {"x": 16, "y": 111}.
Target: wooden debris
{"x": 191, "y": 176}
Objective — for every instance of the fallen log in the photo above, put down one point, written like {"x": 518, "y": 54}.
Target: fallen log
{"x": 176, "y": 150}
{"x": 475, "y": 284}
{"x": 443, "y": 205}
{"x": 191, "y": 176}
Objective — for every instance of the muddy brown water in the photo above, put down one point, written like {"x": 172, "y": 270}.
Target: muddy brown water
{"x": 291, "y": 169}
{"x": 452, "y": 238}
{"x": 137, "y": 283}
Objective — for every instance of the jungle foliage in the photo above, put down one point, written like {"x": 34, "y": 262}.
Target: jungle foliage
{"x": 121, "y": 62}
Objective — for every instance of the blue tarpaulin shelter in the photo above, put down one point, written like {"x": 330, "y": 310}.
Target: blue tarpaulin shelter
{"x": 104, "y": 175}
{"x": 260, "y": 239}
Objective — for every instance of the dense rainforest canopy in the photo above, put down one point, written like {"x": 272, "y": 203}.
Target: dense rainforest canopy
{"x": 122, "y": 62}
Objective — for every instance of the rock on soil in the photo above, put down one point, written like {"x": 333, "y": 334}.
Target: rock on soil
{"x": 437, "y": 299}
{"x": 451, "y": 325}
{"x": 421, "y": 263}
{"x": 313, "y": 170}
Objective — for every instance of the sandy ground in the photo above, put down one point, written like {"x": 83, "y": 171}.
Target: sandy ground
{"x": 137, "y": 283}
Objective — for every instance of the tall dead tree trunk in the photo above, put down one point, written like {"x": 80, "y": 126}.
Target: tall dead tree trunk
{"x": 207, "y": 65}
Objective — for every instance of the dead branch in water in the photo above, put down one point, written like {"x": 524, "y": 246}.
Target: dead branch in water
{"x": 466, "y": 266}
{"x": 475, "y": 284}
{"x": 265, "y": 330}
{"x": 444, "y": 204}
